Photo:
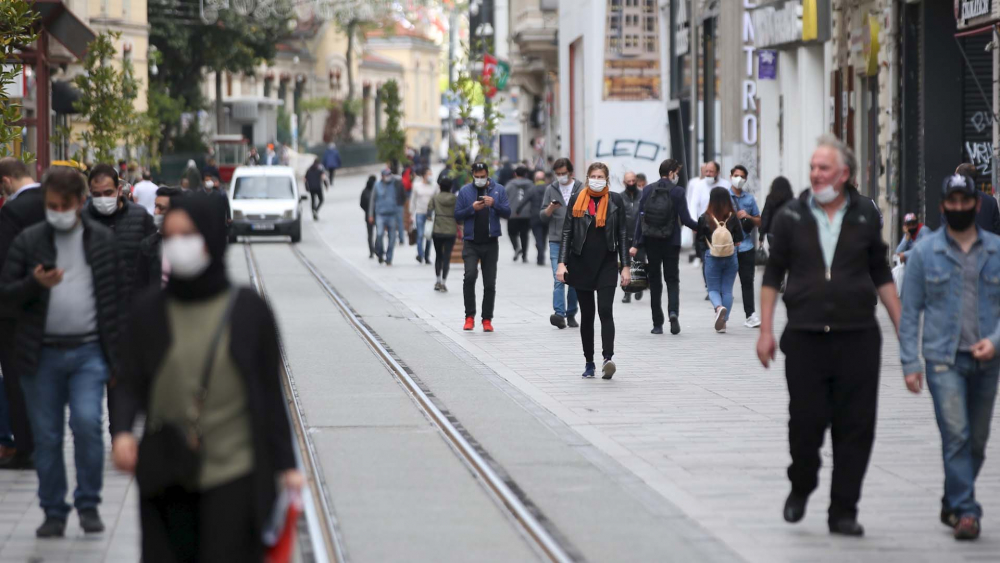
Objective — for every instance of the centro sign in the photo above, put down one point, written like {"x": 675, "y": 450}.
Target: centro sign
{"x": 974, "y": 8}
{"x": 749, "y": 91}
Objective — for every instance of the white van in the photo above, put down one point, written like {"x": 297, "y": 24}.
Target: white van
{"x": 266, "y": 201}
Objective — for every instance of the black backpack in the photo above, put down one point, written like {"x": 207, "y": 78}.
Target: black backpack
{"x": 658, "y": 216}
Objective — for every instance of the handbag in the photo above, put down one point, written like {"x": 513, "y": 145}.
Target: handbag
{"x": 639, "y": 281}
{"x": 761, "y": 258}
{"x": 170, "y": 455}
{"x": 429, "y": 227}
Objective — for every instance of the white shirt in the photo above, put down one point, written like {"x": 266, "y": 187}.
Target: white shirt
{"x": 567, "y": 190}
{"x": 25, "y": 187}
{"x": 144, "y": 194}
{"x": 698, "y": 201}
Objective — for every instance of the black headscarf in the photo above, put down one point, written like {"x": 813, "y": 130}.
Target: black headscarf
{"x": 206, "y": 213}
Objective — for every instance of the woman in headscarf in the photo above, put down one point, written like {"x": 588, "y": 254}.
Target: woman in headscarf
{"x": 593, "y": 245}
{"x": 202, "y": 362}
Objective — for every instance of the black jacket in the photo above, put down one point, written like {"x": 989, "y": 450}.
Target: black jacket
{"x": 15, "y": 216}
{"x": 254, "y": 349}
{"x": 631, "y": 203}
{"x": 574, "y": 231}
{"x": 707, "y": 226}
{"x": 19, "y": 289}
{"x": 843, "y": 297}
{"x": 767, "y": 216}
{"x": 130, "y": 224}
{"x": 988, "y": 217}
{"x": 679, "y": 201}
{"x": 314, "y": 179}
{"x": 149, "y": 266}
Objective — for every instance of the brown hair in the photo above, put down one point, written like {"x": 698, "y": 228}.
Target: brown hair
{"x": 599, "y": 166}
{"x": 720, "y": 204}
{"x": 65, "y": 182}
{"x": 13, "y": 168}
{"x": 966, "y": 169}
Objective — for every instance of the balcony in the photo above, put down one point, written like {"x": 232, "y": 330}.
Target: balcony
{"x": 535, "y": 33}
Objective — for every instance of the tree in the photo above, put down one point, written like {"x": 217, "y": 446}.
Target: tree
{"x": 470, "y": 91}
{"x": 391, "y": 141}
{"x": 353, "y": 16}
{"x": 107, "y": 97}
{"x": 16, "y": 32}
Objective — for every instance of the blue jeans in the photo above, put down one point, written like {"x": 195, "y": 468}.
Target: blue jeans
{"x": 74, "y": 376}
{"x": 423, "y": 246}
{"x": 6, "y": 435}
{"x": 383, "y": 223}
{"x": 963, "y": 404}
{"x": 720, "y": 274}
{"x": 560, "y": 294}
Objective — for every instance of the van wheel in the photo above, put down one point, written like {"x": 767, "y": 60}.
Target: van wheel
{"x": 297, "y": 231}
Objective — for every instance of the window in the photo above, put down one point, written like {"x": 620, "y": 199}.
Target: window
{"x": 650, "y": 5}
{"x": 615, "y": 43}
{"x": 263, "y": 187}
{"x": 650, "y": 44}
{"x": 650, "y": 24}
{"x": 615, "y": 22}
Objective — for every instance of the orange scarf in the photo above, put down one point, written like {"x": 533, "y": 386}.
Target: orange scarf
{"x": 583, "y": 202}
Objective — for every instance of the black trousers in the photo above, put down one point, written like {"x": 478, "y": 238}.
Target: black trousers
{"x": 605, "y": 308}
{"x": 541, "y": 233}
{"x": 518, "y": 231}
{"x": 666, "y": 257}
{"x": 371, "y": 238}
{"x": 214, "y": 525}
{"x": 331, "y": 172}
{"x": 486, "y": 256}
{"x": 832, "y": 382}
{"x": 317, "y": 199}
{"x": 443, "y": 246}
{"x": 747, "y": 269}
{"x": 20, "y": 426}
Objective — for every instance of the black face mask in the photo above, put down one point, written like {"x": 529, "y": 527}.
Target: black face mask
{"x": 960, "y": 220}
{"x": 630, "y": 187}
{"x": 913, "y": 231}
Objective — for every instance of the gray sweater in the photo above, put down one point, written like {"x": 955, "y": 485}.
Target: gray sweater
{"x": 72, "y": 311}
{"x": 518, "y": 189}
{"x": 554, "y": 193}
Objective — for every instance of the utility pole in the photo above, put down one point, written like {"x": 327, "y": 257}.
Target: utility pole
{"x": 452, "y": 39}
{"x": 693, "y": 50}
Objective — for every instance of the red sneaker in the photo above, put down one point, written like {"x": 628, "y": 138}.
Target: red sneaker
{"x": 487, "y": 325}
{"x": 470, "y": 323}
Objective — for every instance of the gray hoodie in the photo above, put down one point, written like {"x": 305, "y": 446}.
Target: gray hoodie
{"x": 517, "y": 189}
{"x": 554, "y": 193}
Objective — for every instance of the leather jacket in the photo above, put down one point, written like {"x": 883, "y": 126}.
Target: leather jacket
{"x": 575, "y": 229}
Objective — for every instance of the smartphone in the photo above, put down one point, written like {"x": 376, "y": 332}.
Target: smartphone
{"x": 48, "y": 267}
{"x": 480, "y": 198}
{"x": 554, "y": 202}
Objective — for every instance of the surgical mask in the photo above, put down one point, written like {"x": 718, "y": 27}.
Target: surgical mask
{"x": 158, "y": 221}
{"x": 564, "y": 179}
{"x": 106, "y": 205}
{"x": 960, "y": 220}
{"x": 825, "y": 195}
{"x": 481, "y": 182}
{"x": 737, "y": 181}
{"x": 61, "y": 220}
{"x": 596, "y": 185}
{"x": 209, "y": 185}
{"x": 187, "y": 256}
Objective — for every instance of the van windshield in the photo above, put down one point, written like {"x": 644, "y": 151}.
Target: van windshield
{"x": 263, "y": 187}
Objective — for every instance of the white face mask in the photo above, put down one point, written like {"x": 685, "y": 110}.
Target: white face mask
{"x": 209, "y": 185}
{"x": 564, "y": 179}
{"x": 186, "y": 255}
{"x": 481, "y": 182}
{"x": 106, "y": 205}
{"x": 597, "y": 185}
{"x": 737, "y": 181}
{"x": 158, "y": 221}
{"x": 61, "y": 220}
{"x": 825, "y": 194}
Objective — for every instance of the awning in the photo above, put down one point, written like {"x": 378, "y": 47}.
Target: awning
{"x": 64, "y": 26}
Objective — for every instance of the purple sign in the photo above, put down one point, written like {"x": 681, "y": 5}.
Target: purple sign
{"x": 767, "y": 64}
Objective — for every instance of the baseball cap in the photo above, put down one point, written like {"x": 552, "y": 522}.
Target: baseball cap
{"x": 910, "y": 218}
{"x": 958, "y": 183}
{"x": 386, "y": 172}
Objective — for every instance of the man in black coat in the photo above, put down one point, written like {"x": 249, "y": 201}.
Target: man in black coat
{"x": 22, "y": 209}
{"x": 314, "y": 185}
{"x": 988, "y": 216}
{"x": 149, "y": 269}
{"x": 61, "y": 276}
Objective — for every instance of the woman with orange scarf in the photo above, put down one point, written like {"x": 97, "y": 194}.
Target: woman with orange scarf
{"x": 593, "y": 245}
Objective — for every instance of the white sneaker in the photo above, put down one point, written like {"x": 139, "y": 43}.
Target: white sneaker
{"x": 753, "y": 321}
{"x": 720, "y": 319}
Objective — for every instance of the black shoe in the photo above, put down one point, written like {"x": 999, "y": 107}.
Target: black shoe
{"x": 627, "y": 298}
{"x": 517, "y": 253}
{"x": 949, "y": 518}
{"x": 706, "y": 298}
{"x": 571, "y": 321}
{"x": 51, "y": 528}
{"x": 657, "y": 330}
{"x": 638, "y": 296}
{"x": 557, "y": 321}
{"x": 90, "y": 521}
{"x": 847, "y": 527}
{"x": 524, "y": 258}
{"x": 795, "y": 508}
{"x": 18, "y": 462}
{"x": 381, "y": 260}
{"x": 675, "y": 325}
{"x": 419, "y": 259}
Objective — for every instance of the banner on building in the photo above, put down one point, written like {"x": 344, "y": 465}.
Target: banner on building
{"x": 632, "y": 51}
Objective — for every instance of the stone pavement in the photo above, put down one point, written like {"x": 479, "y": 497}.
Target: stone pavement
{"x": 694, "y": 416}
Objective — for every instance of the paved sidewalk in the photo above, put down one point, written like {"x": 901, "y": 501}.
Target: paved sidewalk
{"x": 694, "y": 415}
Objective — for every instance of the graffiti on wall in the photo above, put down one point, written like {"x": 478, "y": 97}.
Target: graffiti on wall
{"x": 980, "y": 121}
{"x": 629, "y": 148}
{"x": 981, "y": 155}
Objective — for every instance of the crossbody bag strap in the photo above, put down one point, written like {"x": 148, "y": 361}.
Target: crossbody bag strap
{"x": 206, "y": 373}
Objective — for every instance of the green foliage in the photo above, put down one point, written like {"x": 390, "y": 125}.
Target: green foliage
{"x": 284, "y": 127}
{"x": 470, "y": 91}
{"x": 107, "y": 95}
{"x": 16, "y": 31}
{"x": 391, "y": 141}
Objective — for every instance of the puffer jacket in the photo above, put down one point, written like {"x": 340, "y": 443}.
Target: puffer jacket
{"x": 574, "y": 231}
{"x": 18, "y": 287}
{"x": 130, "y": 225}
{"x": 149, "y": 267}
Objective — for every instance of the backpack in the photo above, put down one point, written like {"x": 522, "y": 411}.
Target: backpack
{"x": 659, "y": 216}
{"x": 721, "y": 244}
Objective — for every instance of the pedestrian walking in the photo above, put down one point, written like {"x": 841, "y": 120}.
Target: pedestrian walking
{"x": 314, "y": 185}
{"x": 442, "y": 205}
{"x": 913, "y": 232}
{"x": 553, "y": 214}
{"x": 23, "y": 208}
{"x": 366, "y": 204}
{"x": 531, "y": 201}
{"x": 253, "y": 157}
{"x": 698, "y": 194}
{"x": 988, "y": 216}
{"x": 519, "y": 224}
{"x": 663, "y": 211}
{"x": 779, "y": 194}
{"x": 506, "y": 172}
{"x": 331, "y": 161}
{"x": 384, "y": 214}
{"x": 832, "y": 250}
{"x": 720, "y": 232}
{"x": 954, "y": 270}
{"x": 144, "y": 193}
{"x": 152, "y": 269}
{"x": 593, "y": 245}
{"x": 420, "y": 196}
{"x": 479, "y": 206}
{"x": 270, "y": 157}
{"x": 62, "y": 277}
{"x": 640, "y": 181}
{"x": 630, "y": 200}
{"x": 749, "y": 215}
{"x": 202, "y": 359}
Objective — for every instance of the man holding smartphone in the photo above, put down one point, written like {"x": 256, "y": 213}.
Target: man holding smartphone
{"x": 553, "y": 213}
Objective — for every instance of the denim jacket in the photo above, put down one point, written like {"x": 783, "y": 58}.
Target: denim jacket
{"x": 933, "y": 285}
{"x": 465, "y": 213}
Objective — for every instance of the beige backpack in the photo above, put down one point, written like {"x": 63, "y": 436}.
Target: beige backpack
{"x": 721, "y": 244}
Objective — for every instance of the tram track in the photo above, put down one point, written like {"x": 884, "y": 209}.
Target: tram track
{"x": 540, "y": 532}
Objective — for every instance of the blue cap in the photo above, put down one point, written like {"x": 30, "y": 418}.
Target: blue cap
{"x": 958, "y": 183}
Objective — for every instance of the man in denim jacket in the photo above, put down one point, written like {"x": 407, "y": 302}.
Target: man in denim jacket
{"x": 953, "y": 277}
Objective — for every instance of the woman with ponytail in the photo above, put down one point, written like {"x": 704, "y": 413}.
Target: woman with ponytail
{"x": 593, "y": 245}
